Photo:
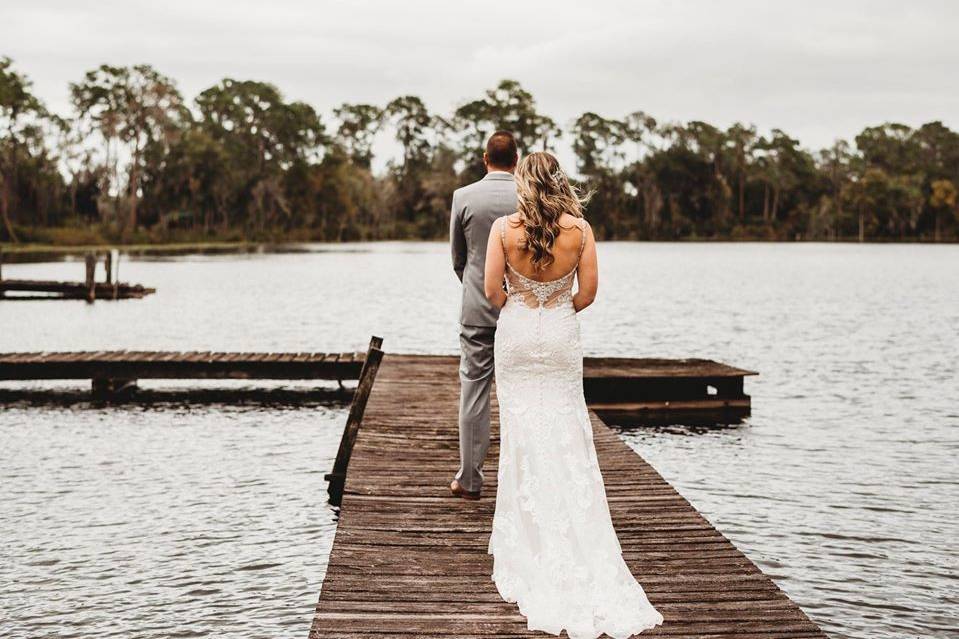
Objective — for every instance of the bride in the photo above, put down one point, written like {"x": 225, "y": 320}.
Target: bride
{"x": 554, "y": 549}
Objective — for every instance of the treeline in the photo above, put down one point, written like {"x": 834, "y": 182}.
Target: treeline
{"x": 135, "y": 161}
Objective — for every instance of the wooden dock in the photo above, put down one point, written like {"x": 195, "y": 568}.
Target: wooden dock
{"x": 665, "y": 390}
{"x": 620, "y": 389}
{"x": 51, "y": 289}
{"x": 89, "y": 289}
{"x": 410, "y": 561}
{"x": 113, "y": 371}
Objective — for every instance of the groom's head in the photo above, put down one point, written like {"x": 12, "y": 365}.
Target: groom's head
{"x": 501, "y": 154}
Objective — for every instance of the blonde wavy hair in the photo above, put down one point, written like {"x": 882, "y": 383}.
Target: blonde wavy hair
{"x": 545, "y": 194}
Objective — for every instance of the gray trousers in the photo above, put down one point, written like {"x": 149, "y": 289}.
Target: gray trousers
{"x": 476, "y": 380}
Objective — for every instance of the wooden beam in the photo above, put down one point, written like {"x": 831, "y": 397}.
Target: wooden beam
{"x": 90, "y": 281}
{"x": 337, "y": 478}
{"x": 108, "y": 267}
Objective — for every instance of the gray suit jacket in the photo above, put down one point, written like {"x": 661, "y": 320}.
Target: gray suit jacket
{"x": 475, "y": 206}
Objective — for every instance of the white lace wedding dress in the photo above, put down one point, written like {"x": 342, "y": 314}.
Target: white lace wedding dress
{"x": 555, "y": 552}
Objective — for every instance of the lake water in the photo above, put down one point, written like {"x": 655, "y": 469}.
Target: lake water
{"x": 191, "y": 518}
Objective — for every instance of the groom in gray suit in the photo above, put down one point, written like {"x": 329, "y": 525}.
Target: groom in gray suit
{"x": 474, "y": 208}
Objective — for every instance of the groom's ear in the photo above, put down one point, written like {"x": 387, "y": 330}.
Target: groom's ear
{"x": 485, "y": 159}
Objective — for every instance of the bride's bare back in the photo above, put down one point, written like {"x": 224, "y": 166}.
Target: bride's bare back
{"x": 574, "y": 256}
{"x": 566, "y": 249}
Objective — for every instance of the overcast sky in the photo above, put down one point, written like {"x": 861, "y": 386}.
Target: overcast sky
{"x": 817, "y": 69}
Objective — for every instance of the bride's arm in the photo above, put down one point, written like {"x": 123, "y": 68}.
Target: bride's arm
{"x": 587, "y": 275}
{"x": 495, "y": 268}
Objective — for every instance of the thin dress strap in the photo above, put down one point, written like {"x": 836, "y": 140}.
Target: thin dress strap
{"x": 582, "y": 242}
{"x": 502, "y": 234}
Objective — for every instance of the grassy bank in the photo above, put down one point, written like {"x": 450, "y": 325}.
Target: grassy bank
{"x": 18, "y": 249}
{"x": 104, "y": 235}
{"x": 54, "y": 241}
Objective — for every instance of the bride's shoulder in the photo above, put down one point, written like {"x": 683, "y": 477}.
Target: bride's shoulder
{"x": 507, "y": 222}
{"x": 571, "y": 222}
{"x": 502, "y": 224}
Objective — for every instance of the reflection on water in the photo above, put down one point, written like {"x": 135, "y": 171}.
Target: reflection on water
{"x": 842, "y": 485}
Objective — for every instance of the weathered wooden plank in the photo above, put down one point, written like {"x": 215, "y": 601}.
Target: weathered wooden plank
{"x": 658, "y": 368}
{"x": 405, "y": 624}
{"x": 122, "y": 364}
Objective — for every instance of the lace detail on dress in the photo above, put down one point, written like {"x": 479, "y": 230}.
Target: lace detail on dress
{"x": 555, "y": 552}
{"x": 536, "y": 293}
{"x": 525, "y": 290}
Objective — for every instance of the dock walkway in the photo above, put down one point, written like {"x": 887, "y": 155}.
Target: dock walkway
{"x": 410, "y": 561}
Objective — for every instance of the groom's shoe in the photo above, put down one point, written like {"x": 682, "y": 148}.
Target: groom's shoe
{"x": 459, "y": 491}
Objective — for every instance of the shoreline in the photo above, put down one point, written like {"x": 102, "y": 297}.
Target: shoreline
{"x": 8, "y": 249}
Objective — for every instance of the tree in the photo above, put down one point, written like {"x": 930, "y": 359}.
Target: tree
{"x": 710, "y": 144}
{"x": 359, "y": 124}
{"x": 597, "y": 143}
{"x": 411, "y": 122}
{"x": 938, "y": 150}
{"x": 475, "y": 122}
{"x": 136, "y": 106}
{"x": 741, "y": 141}
{"x": 684, "y": 178}
{"x": 77, "y": 161}
{"x": 417, "y": 132}
{"x": 21, "y": 115}
{"x": 891, "y": 147}
{"x": 191, "y": 178}
{"x": 642, "y": 130}
{"x": 509, "y": 107}
{"x": 780, "y": 164}
{"x": 264, "y": 136}
{"x": 944, "y": 197}
{"x": 254, "y": 119}
{"x": 887, "y": 204}
{"x": 835, "y": 165}
{"x": 513, "y": 109}
{"x": 252, "y": 165}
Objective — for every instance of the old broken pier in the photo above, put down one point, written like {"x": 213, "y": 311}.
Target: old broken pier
{"x": 89, "y": 289}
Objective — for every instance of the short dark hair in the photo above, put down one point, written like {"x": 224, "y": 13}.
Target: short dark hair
{"x": 501, "y": 150}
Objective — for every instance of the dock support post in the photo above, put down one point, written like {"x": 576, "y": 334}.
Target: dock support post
{"x": 115, "y": 271}
{"x": 108, "y": 267}
{"x": 337, "y": 478}
{"x": 90, "y": 282}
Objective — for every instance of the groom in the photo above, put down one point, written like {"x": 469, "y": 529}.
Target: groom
{"x": 474, "y": 208}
